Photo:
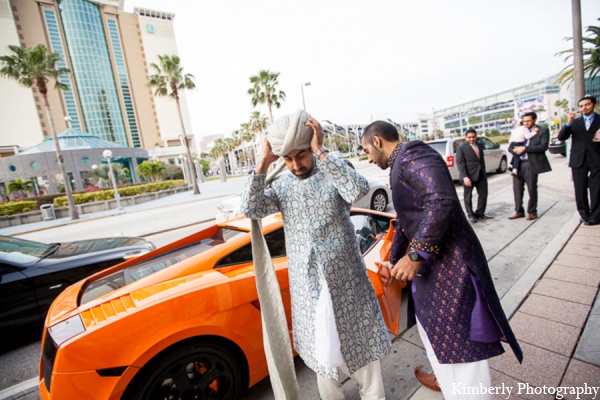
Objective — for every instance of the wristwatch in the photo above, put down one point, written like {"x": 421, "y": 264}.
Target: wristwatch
{"x": 321, "y": 151}
{"x": 414, "y": 255}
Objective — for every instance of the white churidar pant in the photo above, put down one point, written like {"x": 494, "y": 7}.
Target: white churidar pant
{"x": 454, "y": 379}
{"x": 369, "y": 379}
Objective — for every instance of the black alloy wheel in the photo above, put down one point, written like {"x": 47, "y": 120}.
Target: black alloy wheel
{"x": 379, "y": 201}
{"x": 197, "y": 371}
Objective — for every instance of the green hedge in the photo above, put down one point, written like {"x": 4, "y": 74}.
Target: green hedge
{"x": 127, "y": 191}
{"x": 16, "y": 207}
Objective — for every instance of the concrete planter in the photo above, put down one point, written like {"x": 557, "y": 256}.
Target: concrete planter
{"x": 88, "y": 208}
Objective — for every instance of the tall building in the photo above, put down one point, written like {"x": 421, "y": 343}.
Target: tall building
{"x": 109, "y": 53}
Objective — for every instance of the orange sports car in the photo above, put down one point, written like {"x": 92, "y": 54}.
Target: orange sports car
{"x": 183, "y": 321}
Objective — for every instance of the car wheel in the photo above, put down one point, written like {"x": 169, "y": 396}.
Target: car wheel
{"x": 196, "y": 371}
{"x": 503, "y": 166}
{"x": 379, "y": 201}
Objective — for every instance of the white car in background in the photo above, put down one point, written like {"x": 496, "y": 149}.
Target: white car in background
{"x": 377, "y": 199}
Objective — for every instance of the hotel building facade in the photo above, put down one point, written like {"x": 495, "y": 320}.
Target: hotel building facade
{"x": 109, "y": 53}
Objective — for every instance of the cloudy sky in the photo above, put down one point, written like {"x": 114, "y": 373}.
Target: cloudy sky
{"x": 364, "y": 60}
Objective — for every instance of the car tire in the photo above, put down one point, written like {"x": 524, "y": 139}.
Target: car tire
{"x": 503, "y": 166}
{"x": 193, "y": 371}
{"x": 379, "y": 201}
{"x": 563, "y": 154}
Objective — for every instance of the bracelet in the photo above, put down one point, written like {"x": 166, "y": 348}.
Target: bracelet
{"x": 321, "y": 151}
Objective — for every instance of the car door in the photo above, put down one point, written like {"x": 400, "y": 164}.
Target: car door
{"x": 18, "y": 302}
{"x": 492, "y": 154}
{"x": 389, "y": 296}
{"x": 241, "y": 261}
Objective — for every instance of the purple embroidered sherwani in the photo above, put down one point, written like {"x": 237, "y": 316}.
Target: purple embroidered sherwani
{"x": 454, "y": 298}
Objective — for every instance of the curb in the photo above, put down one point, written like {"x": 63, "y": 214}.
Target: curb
{"x": 516, "y": 295}
{"x": 92, "y": 218}
{"x": 19, "y": 390}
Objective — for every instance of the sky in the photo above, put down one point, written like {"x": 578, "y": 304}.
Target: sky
{"x": 364, "y": 60}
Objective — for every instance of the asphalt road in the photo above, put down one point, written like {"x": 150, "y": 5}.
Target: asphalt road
{"x": 510, "y": 247}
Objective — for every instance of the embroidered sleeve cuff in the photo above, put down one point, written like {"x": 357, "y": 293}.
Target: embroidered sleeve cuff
{"x": 425, "y": 247}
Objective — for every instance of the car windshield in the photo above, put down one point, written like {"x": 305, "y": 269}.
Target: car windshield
{"x": 148, "y": 267}
{"x": 22, "y": 251}
{"x": 440, "y": 147}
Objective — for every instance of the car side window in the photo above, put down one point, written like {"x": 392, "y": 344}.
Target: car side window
{"x": 367, "y": 231}
{"x": 275, "y": 243}
{"x": 457, "y": 143}
{"x": 487, "y": 143}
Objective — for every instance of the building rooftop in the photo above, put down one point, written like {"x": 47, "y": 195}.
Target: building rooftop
{"x": 72, "y": 139}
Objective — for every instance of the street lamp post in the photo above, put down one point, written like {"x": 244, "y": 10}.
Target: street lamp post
{"x": 302, "y": 90}
{"x": 183, "y": 169}
{"x": 108, "y": 155}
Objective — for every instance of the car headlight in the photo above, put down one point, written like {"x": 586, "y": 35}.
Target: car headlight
{"x": 66, "y": 329}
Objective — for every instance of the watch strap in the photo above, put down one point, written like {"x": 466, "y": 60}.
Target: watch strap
{"x": 321, "y": 151}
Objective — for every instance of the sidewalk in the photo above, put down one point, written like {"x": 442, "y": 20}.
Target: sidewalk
{"x": 558, "y": 328}
{"x": 553, "y": 307}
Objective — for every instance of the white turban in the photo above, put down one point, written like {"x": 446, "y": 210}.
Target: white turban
{"x": 289, "y": 133}
{"x": 286, "y": 134}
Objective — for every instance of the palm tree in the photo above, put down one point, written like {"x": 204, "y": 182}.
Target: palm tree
{"x": 102, "y": 177}
{"x": 257, "y": 124}
{"x": 32, "y": 67}
{"x": 169, "y": 79}
{"x": 21, "y": 186}
{"x": 152, "y": 171}
{"x": 507, "y": 115}
{"x": 591, "y": 55}
{"x": 264, "y": 90}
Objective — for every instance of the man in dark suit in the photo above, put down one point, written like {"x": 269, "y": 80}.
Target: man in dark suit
{"x": 533, "y": 163}
{"x": 471, "y": 167}
{"x": 585, "y": 158}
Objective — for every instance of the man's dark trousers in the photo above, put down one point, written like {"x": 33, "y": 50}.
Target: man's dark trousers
{"x": 482, "y": 193}
{"x": 583, "y": 178}
{"x": 525, "y": 177}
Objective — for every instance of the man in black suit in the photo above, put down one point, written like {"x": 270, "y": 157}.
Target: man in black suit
{"x": 533, "y": 163}
{"x": 585, "y": 158}
{"x": 471, "y": 167}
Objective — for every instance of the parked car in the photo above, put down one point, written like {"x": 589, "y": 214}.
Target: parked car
{"x": 377, "y": 199}
{"x": 32, "y": 274}
{"x": 495, "y": 157}
{"x": 183, "y": 321}
{"x": 557, "y": 146}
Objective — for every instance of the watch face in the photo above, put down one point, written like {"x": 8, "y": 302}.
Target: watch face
{"x": 413, "y": 255}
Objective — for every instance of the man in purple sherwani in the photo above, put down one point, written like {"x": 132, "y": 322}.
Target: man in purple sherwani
{"x": 458, "y": 312}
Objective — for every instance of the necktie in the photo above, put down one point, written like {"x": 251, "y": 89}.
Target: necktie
{"x": 587, "y": 123}
{"x": 475, "y": 149}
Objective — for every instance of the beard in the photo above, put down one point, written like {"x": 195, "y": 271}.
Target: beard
{"x": 303, "y": 173}
{"x": 379, "y": 158}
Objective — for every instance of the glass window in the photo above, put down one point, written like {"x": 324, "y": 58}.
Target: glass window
{"x": 11, "y": 248}
{"x": 156, "y": 264}
{"x": 487, "y": 143}
{"x": 275, "y": 243}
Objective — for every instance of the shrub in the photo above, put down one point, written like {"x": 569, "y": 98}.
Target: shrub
{"x": 363, "y": 158}
{"x": 126, "y": 191}
{"x": 16, "y": 207}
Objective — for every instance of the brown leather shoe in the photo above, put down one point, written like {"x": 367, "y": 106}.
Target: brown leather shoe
{"x": 427, "y": 380}
{"x": 516, "y": 216}
{"x": 531, "y": 217}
